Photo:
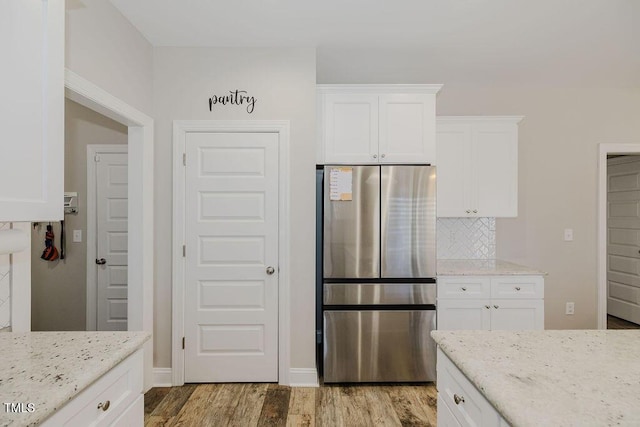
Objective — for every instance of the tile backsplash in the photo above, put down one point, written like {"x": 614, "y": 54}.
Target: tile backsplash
{"x": 5, "y": 287}
{"x": 466, "y": 238}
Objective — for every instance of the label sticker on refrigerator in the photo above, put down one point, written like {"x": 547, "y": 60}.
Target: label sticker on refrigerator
{"x": 341, "y": 184}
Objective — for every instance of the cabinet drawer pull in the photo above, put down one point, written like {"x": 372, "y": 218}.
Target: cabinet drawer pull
{"x": 487, "y": 307}
{"x": 463, "y": 289}
{"x": 458, "y": 399}
{"x": 517, "y": 288}
{"x": 104, "y": 406}
{"x": 496, "y": 306}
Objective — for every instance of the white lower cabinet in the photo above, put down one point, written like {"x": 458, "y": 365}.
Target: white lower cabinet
{"x": 115, "y": 399}
{"x": 490, "y": 302}
{"x": 459, "y": 402}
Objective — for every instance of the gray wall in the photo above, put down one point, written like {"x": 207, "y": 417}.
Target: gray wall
{"x": 58, "y": 288}
{"x": 283, "y": 81}
{"x": 103, "y": 47}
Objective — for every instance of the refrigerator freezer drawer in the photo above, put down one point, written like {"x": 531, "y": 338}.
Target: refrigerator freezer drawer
{"x": 379, "y": 346}
{"x": 379, "y": 293}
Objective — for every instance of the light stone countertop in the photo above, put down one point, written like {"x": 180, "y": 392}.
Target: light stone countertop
{"x": 552, "y": 378}
{"x": 49, "y": 369}
{"x": 482, "y": 267}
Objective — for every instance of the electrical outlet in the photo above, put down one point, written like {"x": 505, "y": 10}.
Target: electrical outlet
{"x": 77, "y": 236}
{"x": 568, "y": 234}
{"x": 570, "y": 308}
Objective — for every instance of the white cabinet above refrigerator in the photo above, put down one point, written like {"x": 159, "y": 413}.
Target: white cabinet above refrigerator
{"x": 369, "y": 124}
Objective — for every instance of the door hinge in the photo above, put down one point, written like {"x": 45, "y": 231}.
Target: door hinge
{"x": 96, "y": 158}
{"x": 184, "y": 159}
{"x": 184, "y": 251}
{"x": 183, "y": 343}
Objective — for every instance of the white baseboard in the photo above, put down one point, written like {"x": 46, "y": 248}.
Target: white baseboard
{"x": 303, "y": 377}
{"x": 162, "y": 377}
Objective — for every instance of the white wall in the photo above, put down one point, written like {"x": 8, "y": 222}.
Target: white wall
{"x": 283, "y": 81}
{"x": 103, "y": 47}
{"x": 58, "y": 288}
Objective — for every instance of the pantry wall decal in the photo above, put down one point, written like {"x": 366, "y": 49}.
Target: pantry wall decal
{"x": 235, "y": 97}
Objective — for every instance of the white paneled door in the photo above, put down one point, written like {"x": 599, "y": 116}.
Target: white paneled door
{"x": 231, "y": 277}
{"x": 111, "y": 240}
{"x": 623, "y": 239}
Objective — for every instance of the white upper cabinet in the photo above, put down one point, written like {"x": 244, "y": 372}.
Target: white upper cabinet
{"x": 365, "y": 124}
{"x": 32, "y": 110}
{"x": 477, "y": 166}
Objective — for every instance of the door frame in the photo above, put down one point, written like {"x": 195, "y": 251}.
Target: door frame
{"x": 92, "y": 279}
{"x": 180, "y": 130}
{"x": 140, "y": 170}
{"x": 605, "y": 149}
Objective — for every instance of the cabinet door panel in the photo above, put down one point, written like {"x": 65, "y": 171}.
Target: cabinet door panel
{"x": 517, "y": 315}
{"x": 463, "y": 314}
{"x": 32, "y": 110}
{"x": 407, "y": 128}
{"x": 351, "y": 128}
{"x": 496, "y": 170}
{"x": 453, "y": 146}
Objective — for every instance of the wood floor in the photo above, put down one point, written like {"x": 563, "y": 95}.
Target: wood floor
{"x": 273, "y": 405}
{"x": 617, "y": 323}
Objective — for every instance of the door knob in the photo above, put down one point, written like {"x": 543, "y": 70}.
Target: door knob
{"x": 458, "y": 399}
{"x": 101, "y": 261}
{"x": 270, "y": 270}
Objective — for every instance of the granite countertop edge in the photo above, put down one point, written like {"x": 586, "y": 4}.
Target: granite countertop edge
{"x": 555, "y": 391}
{"x": 35, "y": 365}
{"x": 484, "y": 267}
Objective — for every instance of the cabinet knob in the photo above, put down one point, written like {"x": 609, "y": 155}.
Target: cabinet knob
{"x": 475, "y": 211}
{"x": 458, "y": 399}
{"x": 468, "y": 211}
{"x": 517, "y": 288}
{"x": 383, "y": 156}
{"x": 487, "y": 307}
{"x": 375, "y": 156}
{"x": 270, "y": 270}
{"x": 463, "y": 289}
{"x": 496, "y": 306}
{"x": 104, "y": 405}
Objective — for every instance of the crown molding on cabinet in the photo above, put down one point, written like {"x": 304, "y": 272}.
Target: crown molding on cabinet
{"x": 379, "y": 88}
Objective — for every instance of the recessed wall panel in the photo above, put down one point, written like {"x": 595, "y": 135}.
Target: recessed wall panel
{"x": 623, "y": 237}
{"x": 117, "y": 242}
{"x": 232, "y": 162}
{"x": 623, "y": 209}
{"x": 623, "y": 182}
{"x": 118, "y": 175}
{"x": 237, "y": 207}
{"x": 117, "y": 209}
{"x": 231, "y": 295}
{"x": 117, "y": 275}
{"x": 623, "y": 264}
{"x": 232, "y": 250}
{"x": 236, "y": 339}
{"x": 117, "y": 309}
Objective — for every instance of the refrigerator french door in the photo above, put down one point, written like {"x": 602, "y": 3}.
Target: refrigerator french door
{"x": 379, "y": 273}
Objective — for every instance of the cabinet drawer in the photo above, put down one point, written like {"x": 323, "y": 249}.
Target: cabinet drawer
{"x": 471, "y": 409}
{"x": 464, "y": 287}
{"x": 121, "y": 386}
{"x": 517, "y": 287}
{"x": 445, "y": 415}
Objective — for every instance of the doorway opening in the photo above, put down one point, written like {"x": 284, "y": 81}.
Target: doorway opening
{"x": 619, "y": 236}
{"x": 63, "y": 294}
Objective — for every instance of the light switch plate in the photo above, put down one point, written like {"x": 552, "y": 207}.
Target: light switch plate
{"x": 568, "y": 234}
{"x": 77, "y": 236}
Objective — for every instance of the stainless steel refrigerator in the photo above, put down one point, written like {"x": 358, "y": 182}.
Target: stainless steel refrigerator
{"x": 379, "y": 268}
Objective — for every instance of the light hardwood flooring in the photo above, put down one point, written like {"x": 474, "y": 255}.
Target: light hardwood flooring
{"x": 617, "y": 323}
{"x": 273, "y": 405}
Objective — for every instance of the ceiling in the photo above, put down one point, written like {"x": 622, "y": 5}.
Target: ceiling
{"x": 590, "y": 41}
